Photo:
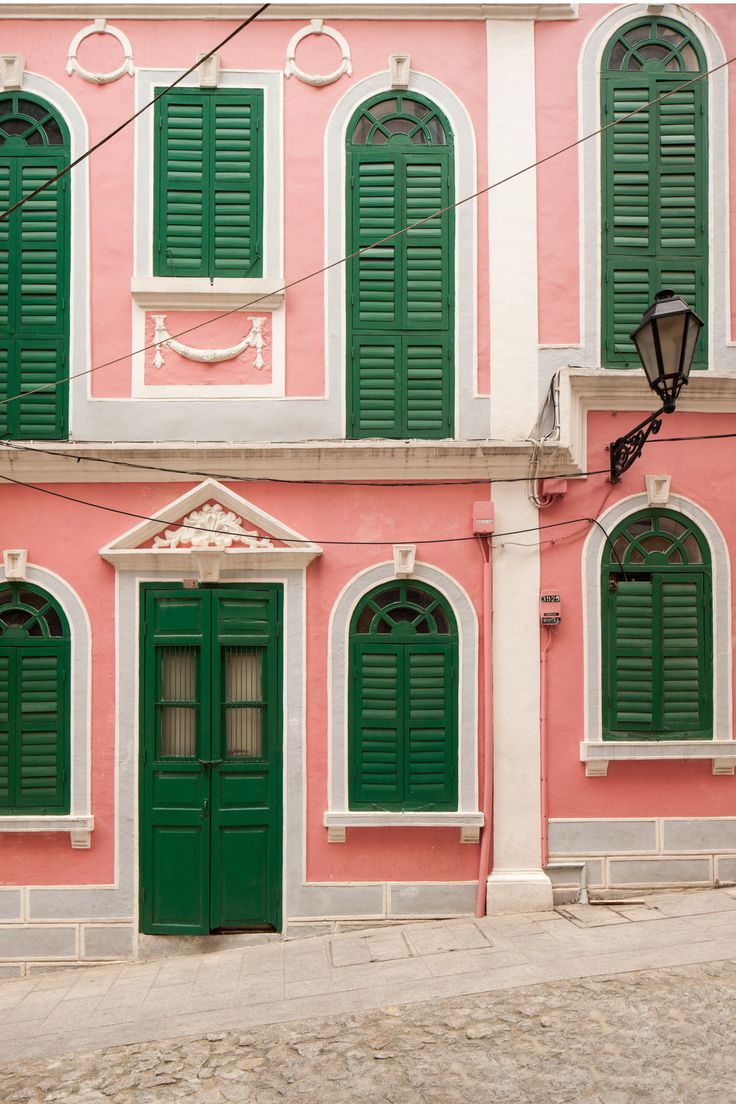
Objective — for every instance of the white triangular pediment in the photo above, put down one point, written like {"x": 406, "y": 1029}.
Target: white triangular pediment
{"x": 207, "y": 520}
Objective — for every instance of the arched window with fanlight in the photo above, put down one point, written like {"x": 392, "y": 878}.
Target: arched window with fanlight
{"x": 400, "y": 293}
{"x": 654, "y": 178}
{"x": 657, "y": 630}
{"x": 34, "y": 270}
{"x": 34, "y": 702}
{"x": 403, "y": 709}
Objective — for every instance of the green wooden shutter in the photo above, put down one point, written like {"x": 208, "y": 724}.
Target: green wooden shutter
{"x": 375, "y": 275}
{"x": 236, "y": 125}
{"x": 655, "y": 206}
{"x": 182, "y": 213}
{"x": 429, "y": 745}
{"x": 400, "y": 349}
{"x": 658, "y": 683}
{"x": 427, "y": 383}
{"x": 376, "y": 386}
{"x": 41, "y": 729}
{"x": 631, "y": 643}
{"x": 4, "y": 247}
{"x": 5, "y": 734}
{"x": 34, "y": 706}
{"x": 686, "y": 686}
{"x": 34, "y": 304}
{"x": 208, "y": 216}
{"x": 377, "y": 762}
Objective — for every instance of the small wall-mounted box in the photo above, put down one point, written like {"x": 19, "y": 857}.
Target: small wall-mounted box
{"x": 550, "y": 607}
{"x": 483, "y": 522}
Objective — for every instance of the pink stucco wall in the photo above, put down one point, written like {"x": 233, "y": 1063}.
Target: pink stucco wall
{"x": 699, "y": 473}
{"x": 453, "y": 53}
{"x": 65, "y": 538}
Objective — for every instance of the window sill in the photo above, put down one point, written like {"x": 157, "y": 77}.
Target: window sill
{"x": 172, "y": 293}
{"x": 80, "y": 828}
{"x": 337, "y": 824}
{"x": 597, "y": 755}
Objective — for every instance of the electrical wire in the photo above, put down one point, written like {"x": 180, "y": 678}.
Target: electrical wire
{"x": 374, "y": 245}
{"x": 232, "y": 477}
{"x": 126, "y": 123}
{"x": 290, "y": 540}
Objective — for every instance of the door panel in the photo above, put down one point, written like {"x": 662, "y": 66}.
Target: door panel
{"x": 211, "y": 760}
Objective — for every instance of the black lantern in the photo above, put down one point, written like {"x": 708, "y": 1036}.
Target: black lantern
{"x": 665, "y": 342}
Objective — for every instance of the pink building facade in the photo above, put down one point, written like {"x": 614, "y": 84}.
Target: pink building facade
{"x": 261, "y": 665}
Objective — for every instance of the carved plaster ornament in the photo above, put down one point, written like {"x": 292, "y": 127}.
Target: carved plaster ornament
{"x": 11, "y": 71}
{"x": 211, "y": 527}
{"x": 254, "y": 339}
{"x": 100, "y": 26}
{"x": 317, "y": 27}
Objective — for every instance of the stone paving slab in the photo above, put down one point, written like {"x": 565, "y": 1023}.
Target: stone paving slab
{"x": 247, "y": 985}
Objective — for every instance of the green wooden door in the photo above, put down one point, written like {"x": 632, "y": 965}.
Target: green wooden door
{"x": 210, "y": 759}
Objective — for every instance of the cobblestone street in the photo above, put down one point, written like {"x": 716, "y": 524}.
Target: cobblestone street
{"x": 659, "y": 1035}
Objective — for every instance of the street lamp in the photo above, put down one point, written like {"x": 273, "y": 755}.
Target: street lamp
{"x": 665, "y": 342}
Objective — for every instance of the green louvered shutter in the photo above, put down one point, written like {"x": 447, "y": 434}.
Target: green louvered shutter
{"x": 41, "y": 729}
{"x": 376, "y": 212}
{"x": 659, "y": 684}
{"x": 376, "y": 409}
{"x": 208, "y": 215}
{"x": 4, "y": 247}
{"x": 34, "y": 304}
{"x": 631, "y": 641}
{"x": 400, "y": 350}
{"x": 5, "y": 734}
{"x": 429, "y": 739}
{"x": 182, "y": 212}
{"x": 654, "y": 203}
{"x": 686, "y": 685}
{"x": 377, "y": 766}
{"x": 33, "y": 729}
{"x": 236, "y": 198}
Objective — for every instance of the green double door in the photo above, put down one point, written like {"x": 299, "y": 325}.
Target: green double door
{"x": 210, "y": 759}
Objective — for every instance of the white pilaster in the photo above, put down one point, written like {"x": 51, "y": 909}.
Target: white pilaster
{"x": 512, "y": 216}
{"x": 517, "y": 882}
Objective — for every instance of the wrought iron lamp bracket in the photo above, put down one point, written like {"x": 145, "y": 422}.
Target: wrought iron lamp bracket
{"x": 625, "y": 450}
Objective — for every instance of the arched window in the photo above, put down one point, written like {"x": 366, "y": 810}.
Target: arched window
{"x": 400, "y": 294}
{"x": 34, "y": 270}
{"x": 657, "y": 630}
{"x": 654, "y": 183}
{"x": 34, "y": 702}
{"x": 403, "y": 710}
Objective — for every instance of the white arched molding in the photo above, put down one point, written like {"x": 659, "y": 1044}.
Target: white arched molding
{"x": 722, "y": 748}
{"x": 338, "y": 816}
{"x": 720, "y": 354}
{"x": 471, "y": 411}
{"x": 79, "y": 282}
{"x": 79, "y": 821}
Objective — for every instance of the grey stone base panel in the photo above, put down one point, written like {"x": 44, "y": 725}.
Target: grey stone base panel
{"x": 645, "y": 853}
{"x": 26, "y": 946}
{"x": 384, "y": 901}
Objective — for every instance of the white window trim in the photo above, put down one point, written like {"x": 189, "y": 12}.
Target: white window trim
{"x": 594, "y": 751}
{"x": 338, "y": 815}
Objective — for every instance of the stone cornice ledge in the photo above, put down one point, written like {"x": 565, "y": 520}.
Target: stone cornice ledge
{"x": 586, "y": 389}
{"x": 57, "y": 461}
{"x": 283, "y": 9}
{"x": 597, "y": 755}
{"x": 165, "y": 293}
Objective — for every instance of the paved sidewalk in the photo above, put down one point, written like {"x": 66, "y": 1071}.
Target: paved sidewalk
{"x": 86, "y": 1009}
